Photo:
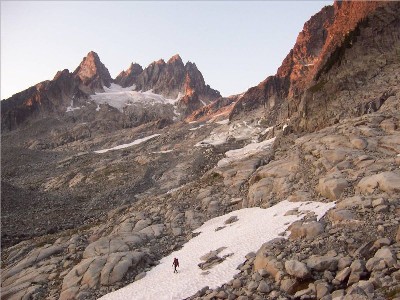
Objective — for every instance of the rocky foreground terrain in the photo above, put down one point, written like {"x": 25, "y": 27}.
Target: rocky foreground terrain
{"x": 353, "y": 250}
{"x": 79, "y": 221}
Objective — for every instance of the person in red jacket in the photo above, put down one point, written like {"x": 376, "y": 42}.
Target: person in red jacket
{"x": 175, "y": 264}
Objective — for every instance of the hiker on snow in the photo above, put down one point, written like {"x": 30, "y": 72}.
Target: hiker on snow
{"x": 175, "y": 264}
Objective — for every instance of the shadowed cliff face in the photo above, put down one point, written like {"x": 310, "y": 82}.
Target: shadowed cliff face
{"x": 129, "y": 77}
{"x": 314, "y": 53}
{"x": 46, "y": 97}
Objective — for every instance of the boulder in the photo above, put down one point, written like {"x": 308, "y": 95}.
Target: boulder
{"x": 339, "y": 216}
{"x": 153, "y": 230}
{"x": 344, "y": 262}
{"x": 355, "y": 201}
{"x": 270, "y": 264}
{"x": 322, "y": 289}
{"x": 236, "y": 283}
{"x": 105, "y": 245}
{"x": 117, "y": 266}
{"x": 141, "y": 224}
{"x": 322, "y": 263}
{"x": 289, "y": 285}
{"x": 343, "y": 274}
{"x": 297, "y": 269}
{"x": 334, "y": 156}
{"x": 305, "y": 230}
{"x": 263, "y": 287}
{"x": 386, "y": 254}
{"x": 332, "y": 188}
{"x": 359, "y": 143}
{"x": 385, "y": 181}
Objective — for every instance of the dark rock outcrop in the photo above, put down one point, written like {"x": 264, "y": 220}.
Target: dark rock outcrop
{"x": 128, "y": 77}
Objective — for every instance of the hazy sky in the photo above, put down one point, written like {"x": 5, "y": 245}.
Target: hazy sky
{"x": 234, "y": 44}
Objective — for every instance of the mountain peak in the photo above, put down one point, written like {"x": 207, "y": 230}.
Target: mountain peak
{"x": 175, "y": 58}
{"x": 93, "y": 73}
{"x": 128, "y": 77}
{"x": 134, "y": 67}
{"x": 92, "y": 54}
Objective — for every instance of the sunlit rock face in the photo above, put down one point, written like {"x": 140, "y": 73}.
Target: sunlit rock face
{"x": 93, "y": 73}
{"x": 341, "y": 36}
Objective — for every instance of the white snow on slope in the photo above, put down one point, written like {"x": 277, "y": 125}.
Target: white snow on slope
{"x": 254, "y": 227}
{"x": 195, "y": 128}
{"x": 246, "y": 151}
{"x": 163, "y": 151}
{"x": 71, "y": 107}
{"x": 239, "y": 131}
{"x": 223, "y": 122}
{"x": 120, "y": 97}
{"x": 135, "y": 142}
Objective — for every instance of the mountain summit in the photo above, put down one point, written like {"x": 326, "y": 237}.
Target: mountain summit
{"x": 93, "y": 73}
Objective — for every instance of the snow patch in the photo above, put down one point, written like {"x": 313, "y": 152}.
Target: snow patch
{"x": 71, "y": 107}
{"x": 254, "y": 227}
{"x": 120, "y": 97}
{"x": 246, "y": 151}
{"x": 239, "y": 131}
{"x": 164, "y": 151}
{"x": 135, "y": 142}
{"x": 195, "y": 128}
{"x": 223, "y": 122}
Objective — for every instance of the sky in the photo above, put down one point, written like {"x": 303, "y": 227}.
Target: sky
{"x": 235, "y": 44}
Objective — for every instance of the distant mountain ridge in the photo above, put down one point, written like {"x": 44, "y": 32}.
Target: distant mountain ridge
{"x": 171, "y": 80}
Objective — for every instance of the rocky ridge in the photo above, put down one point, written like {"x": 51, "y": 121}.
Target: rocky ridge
{"x": 172, "y": 79}
{"x": 327, "y": 46}
{"x": 68, "y": 92}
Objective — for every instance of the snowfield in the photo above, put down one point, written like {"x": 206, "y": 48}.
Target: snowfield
{"x": 254, "y": 227}
{"x": 120, "y": 97}
{"x": 238, "y": 131}
{"x": 135, "y": 142}
{"x": 246, "y": 151}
